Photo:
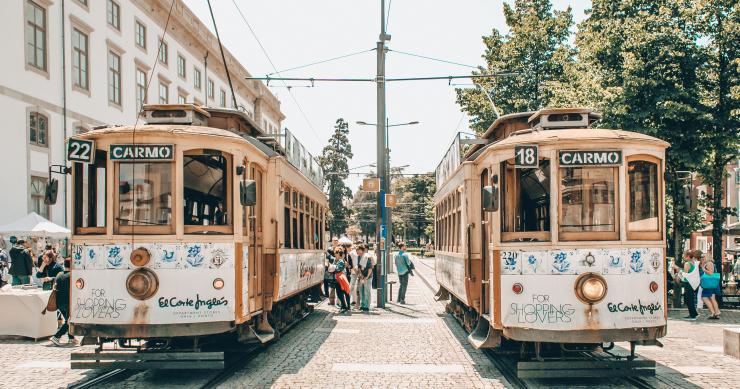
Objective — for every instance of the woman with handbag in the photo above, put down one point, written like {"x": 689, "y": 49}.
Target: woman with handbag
{"x": 340, "y": 265}
{"x": 690, "y": 280}
{"x": 710, "y": 288}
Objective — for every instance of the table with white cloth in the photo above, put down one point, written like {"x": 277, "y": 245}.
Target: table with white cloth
{"x": 21, "y": 313}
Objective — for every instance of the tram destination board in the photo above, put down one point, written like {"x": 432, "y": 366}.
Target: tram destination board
{"x": 80, "y": 150}
{"x": 142, "y": 152}
{"x": 590, "y": 157}
{"x": 525, "y": 157}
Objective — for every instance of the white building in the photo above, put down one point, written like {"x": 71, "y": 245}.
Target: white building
{"x": 70, "y": 65}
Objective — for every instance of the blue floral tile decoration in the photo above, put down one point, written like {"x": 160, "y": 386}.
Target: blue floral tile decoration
{"x": 561, "y": 264}
{"x": 194, "y": 256}
{"x": 637, "y": 263}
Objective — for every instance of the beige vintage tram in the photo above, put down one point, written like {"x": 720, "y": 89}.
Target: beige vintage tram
{"x": 551, "y": 231}
{"x": 192, "y": 225}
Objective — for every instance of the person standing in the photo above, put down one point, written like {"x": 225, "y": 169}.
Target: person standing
{"x": 47, "y": 268}
{"x": 710, "y": 288}
{"x": 21, "y": 263}
{"x": 403, "y": 267}
{"x": 339, "y": 268}
{"x": 62, "y": 284}
{"x": 4, "y": 264}
{"x": 690, "y": 280}
{"x": 354, "y": 276}
{"x": 365, "y": 277}
{"x": 330, "y": 284}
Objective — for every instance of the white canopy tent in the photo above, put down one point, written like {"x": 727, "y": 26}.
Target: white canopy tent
{"x": 34, "y": 226}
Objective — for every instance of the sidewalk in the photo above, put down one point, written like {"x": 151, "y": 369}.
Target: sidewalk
{"x": 403, "y": 346}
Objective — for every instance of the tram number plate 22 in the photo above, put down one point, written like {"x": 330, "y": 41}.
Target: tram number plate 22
{"x": 526, "y": 156}
{"x": 79, "y": 150}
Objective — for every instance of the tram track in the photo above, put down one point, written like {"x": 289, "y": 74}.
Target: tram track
{"x": 104, "y": 378}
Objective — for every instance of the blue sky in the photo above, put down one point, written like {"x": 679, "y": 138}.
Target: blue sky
{"x": 298, "y": 32}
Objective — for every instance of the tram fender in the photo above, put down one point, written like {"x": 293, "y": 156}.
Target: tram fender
{"x": 442, "y": 294}
{"x": 484, "y": 335}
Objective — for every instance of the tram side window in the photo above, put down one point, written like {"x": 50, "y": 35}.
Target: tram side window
{"x": 643, "y": 197}
{"x": 588, "y": 203}
{"x": 286, "y": 220}
{"x": 206, "y": 192}
{"x": 90, "y": 195}
{"x": 144, "y": 197}
{"x": 525, "y": 201}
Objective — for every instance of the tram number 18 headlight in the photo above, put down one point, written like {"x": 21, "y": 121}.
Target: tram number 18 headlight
{"x": 590, "y": 288}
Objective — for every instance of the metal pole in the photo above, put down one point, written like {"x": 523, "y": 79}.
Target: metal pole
{"x": 381, "y": 231}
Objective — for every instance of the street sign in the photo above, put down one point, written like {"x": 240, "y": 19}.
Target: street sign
{"x": 142, "y": 152}
{"x": 526, "y": 157}
{"x": 591, "y": 158}
{"x": 371, "y": 184}
{"x": 80, "y": 150}
{"x": 390, "y": 200}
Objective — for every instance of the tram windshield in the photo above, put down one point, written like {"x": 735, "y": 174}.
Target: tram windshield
{"x": 90, "y": 195}
{"x": 526, "y": 200}
{"x": 588, "y": 199}
{"x": 144, "y": 194}
{"x": 643, "y": 196}
{"x": 205, "y": 189}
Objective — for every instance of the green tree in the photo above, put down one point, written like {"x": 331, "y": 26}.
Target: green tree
{"x": 333, "y": 161}
{"x": 414, "y": 214}
{"x": 718, "y": 25}
{"x": 536, "y": 47}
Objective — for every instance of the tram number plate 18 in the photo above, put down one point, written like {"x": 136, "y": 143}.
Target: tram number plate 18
{"x": 526, "y": 156}
{"x": 79, "y": 150}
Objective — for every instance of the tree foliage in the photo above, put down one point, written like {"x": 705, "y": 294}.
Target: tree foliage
{"x": 536, "y": 47}
{"x": 414, "y": 214}
{"x": 333, "y": 160}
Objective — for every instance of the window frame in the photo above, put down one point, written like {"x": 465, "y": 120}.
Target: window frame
{"x": 163, "y": 52}
{"x": 79, "y": 54}
{"x": 228, "y": 228}
{"x": 645, "y": 235}
{"x": 139, "y": 26}
{"x": 516, "y": 236}
{"x": 166, "y": 86}
{"x": 112, "y": 8}
{"x": 197, "y": 78}
{"x": 210, "y": 89}
{"x": 33, "y": 65}
{"x": 576, "y": 236}
{"x": 222, "y": 98}
{"x": 101, "y": 160}
{"x": 114, "y": 79}
{"x": 38, "y": 116}
{"x": 139, "y": 88}
{"x": 34, "y": 197}
{"x": 118, "y": 229}
{"x": 182, "y": 60}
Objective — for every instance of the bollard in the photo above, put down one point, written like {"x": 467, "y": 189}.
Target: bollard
{"x": 390, "y": 289}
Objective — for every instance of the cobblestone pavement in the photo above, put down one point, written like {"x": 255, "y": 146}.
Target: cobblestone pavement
{"x": 37, "y": 365}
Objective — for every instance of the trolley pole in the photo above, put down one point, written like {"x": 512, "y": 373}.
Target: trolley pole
{"x": 382, "y": 223}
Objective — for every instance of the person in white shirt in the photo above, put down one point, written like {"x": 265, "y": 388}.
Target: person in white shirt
{"x": 353, "y": 284}
{"x": 364, "y": 276}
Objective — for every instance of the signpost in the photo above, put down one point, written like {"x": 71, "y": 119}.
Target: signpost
{"x": 81, "y": 150}
{"x": 371, "y": 184}
{"x": 390, "y": 200}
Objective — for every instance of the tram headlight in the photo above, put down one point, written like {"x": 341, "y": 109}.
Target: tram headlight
{"x": 218, "y": 283}
{"x": 80, "y": 283}
{"x": 590, "y": 288}
{"x": 142, "y": 284}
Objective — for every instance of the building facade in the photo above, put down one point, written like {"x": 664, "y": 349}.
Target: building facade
{"x": 71, "y": 65}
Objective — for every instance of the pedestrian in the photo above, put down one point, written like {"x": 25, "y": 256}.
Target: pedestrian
{"x": 47, "y": 268}
{"x": 4, "y": 265}
{"x": 403, "y": 268}
{"x": 353, "y": 277}
{"x": 329, "y": 280}
{"x": 690, "y": 280}
{"x": 710, "y": 288}
{"x": 21, "y": 263}
{"x": 62, "y": 285}
{"x": 365, "y": 277}
{"x": 342, "y": 287}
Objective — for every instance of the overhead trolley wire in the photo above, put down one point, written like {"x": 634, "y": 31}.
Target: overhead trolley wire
{"x": 434, "y": 59}
{"x": 274, "y": 68}
{"x": 322, "y": 61}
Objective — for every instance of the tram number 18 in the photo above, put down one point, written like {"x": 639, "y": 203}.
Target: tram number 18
{"x": 526, "y": 156}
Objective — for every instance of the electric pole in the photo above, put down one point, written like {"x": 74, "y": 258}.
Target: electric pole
{"x": 382, "y": 223}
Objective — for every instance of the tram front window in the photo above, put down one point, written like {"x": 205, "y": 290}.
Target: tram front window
{"x": 205, "y": 189}
{"x": 90, "y": 195}
{"x": 643, "y": 196}
{"x": 588, "y": 202}
{"x": 144, "y": 195}
{"x": 526, "y": 202}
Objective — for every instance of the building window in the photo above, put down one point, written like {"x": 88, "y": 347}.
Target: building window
{"x": 140, "y": 32}
{"x": 140, "y": 89}
{"x": 38, "y": 192}
{"x": 114, "y": 14}
{"x": 79, "y": 59}
{"x": 114, "y": 78}
{"x": 163, "y": 93}
{"x": 209, "y": 89}
{"x": 196, "y": 78}
{"x": 222, "y": 98}
{"x": 181, "y": 66}
{"x": 35, "y": 35}
{"x": 181, "y": 99}
{"x": 163, "y": 52}
{"x": 38, "y": 126}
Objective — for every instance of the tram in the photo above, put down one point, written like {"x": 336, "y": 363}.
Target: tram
{"x": 192, "y": 226}
{"x": 550, "y": 232}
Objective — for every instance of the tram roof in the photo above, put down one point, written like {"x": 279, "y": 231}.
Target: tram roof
{"x": 161, "y": 128}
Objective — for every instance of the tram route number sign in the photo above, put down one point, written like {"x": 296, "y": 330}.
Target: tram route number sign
{"x": 142, "y": 152}
{"x": 590, "y": 158}
{"x": 525, "y": 157}
{"x": 80, "y": 150}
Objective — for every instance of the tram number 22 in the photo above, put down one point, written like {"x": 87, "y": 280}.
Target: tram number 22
{"x": 79, "y": 150}
{"x": 526, "y": 156}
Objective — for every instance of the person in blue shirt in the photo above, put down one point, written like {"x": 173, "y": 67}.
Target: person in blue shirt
{"x": 403, "y": 267}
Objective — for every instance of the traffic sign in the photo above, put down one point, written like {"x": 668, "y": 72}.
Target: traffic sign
{"x": 390, "y": 200}
{"x": 80, "y": 150}
{"x": 371, "y": 184}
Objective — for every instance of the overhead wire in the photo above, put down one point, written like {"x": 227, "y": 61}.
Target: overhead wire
{"x": 274, "y": 68}
{"x": 322, "y": 61}
{"x": 433, "y": 59}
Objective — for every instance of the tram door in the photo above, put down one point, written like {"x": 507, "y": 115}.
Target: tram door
{"x": 254, "y": 237}
{"x": 485, "y": 256}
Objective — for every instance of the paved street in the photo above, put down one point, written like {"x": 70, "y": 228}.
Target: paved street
{"x": 411, "y": 346}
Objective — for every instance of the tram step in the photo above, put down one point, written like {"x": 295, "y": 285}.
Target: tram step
{"x": 148, "y": 360}
{"x": 585, "y": 369}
